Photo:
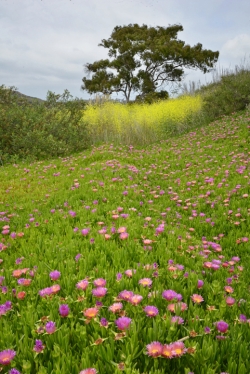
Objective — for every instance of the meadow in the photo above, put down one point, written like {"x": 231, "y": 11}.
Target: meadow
{"x": 129, "y": 258}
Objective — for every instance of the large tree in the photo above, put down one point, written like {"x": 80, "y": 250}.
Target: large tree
{"x": 143, "y": 59}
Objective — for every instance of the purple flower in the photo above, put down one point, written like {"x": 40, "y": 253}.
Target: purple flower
{"x": 221, "y": 326}
{"x": 54, "y": 275}
{"x": 123, "y": 323}
{"x": 14, "y": 371}
{"x": 38, "y": 347}
{"x": 77, "y": 257}
{"x": 1, "y": 280}
{"x": 242, "y": 318}
{"x": 64, "y": 310}
{"x": 118, "y": 276}
{"x": 104, "y": 322}
{"x": 170, "y": 295}
{"x": 50, "y": 327}
{"x": 7, "y": 356}
{"x": 207, "y": 330}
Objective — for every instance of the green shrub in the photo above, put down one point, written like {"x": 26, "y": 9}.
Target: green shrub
{"x": 40, "y": 130}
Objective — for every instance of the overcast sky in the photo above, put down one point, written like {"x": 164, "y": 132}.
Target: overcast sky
{"x": 44, "y": 44}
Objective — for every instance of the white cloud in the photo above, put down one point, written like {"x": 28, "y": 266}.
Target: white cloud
{"x": 236, "y": 48}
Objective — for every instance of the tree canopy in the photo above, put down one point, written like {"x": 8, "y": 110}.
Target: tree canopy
{"x": 143, "y": 59}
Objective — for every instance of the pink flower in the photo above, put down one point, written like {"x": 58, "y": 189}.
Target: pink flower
{"x": 88, "y": 371}
{"x": 154, "y": 349}
{"x": 82, "y": 284}
{"x": 151, "y": 311}
{"x": 146, "y": 282}
{"x": 99, "y": 292}
{"x": 100, "y": 282}
{"x": 50, "y": 327}
{"x": 116, "y": 307}
{"x": 7, "y": 356}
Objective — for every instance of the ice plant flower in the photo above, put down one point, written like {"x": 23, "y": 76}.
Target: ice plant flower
{"x": 123, "y": 323}
{"x": 178, "y": 349}
{"x": 154, "y": 349}
{"x": 116, "y": 307}
{"x": 64, "y": 310}
{"x": 176, "y": 306}
{"x": 229, "y": 289}
{"x": 167, "y": 351}
{"x": 50, "y": 327}
{"x": 14, "y": 371}
{"x": 222, "y": 326}
{"x": 55, "y": 289}
{"x": 104, "y": 322}
{"x": 54, "y": 275}
{"x": 125, "y": 295}
{"x": 197, "y": 299}
{"x": 146, "y": 282}
{"x": 90, "y": 313}
{"x": 7, "y": 356}
{"x": 200, "y": 284}
{"x": 151, "y": 311}
{"x": 230, "y": 301}
{"x": 99, "y": 292}
{"x": 82, "y": 284}
{"x": 170, "y": 295}
{"x": 100, "y": 282}
{"x": 135, "y": 299}
{"x": 88, "y": 371}
{"x": 38, "y": 347}
{"x": 177, "y": 319}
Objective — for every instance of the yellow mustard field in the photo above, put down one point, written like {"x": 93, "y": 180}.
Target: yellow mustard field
{"x": 113, "y": 121}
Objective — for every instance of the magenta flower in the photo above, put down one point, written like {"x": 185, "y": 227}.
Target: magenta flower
{"x": 222, "y": 326}
{"x": 151, "y": 311}
{"x": 123, "y": 323}
{"x": 170, "y": 295}
{"x": 100, "y": 282}
{"x": 200, "y": 283}
{"x": 38, "y": 347}
{"x": 14, "y": 371}
{"x": 54, "y": 275}
{"x": 99, "y": 292}
{"x": 88, "y": 371}
{"x": 64, "y": 310}
{"x": 7, "y": 356}
{"x": 85, "y": 232}
{"x": 50, "y": 327}
{"x": 125, "y": 295}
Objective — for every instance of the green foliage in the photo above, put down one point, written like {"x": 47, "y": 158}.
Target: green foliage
{"x": 144, "y": 59}
{"x": 230, "y": 94}
{"x": 40, "y": 130}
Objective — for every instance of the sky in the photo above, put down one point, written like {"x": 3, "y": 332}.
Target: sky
{"x": 44, "y": 44}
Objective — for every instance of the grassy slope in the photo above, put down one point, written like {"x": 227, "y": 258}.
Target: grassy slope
{"x": 193, "y": 158}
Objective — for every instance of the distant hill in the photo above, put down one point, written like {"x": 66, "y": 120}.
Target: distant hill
{"x": 28, "y": 98}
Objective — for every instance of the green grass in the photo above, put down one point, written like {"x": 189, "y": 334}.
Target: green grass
{"x": 188, "y": 196}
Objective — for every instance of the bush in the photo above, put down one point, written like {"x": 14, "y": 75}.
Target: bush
{"x": 40, "y": 130}
{"x": 230, "y": 94}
